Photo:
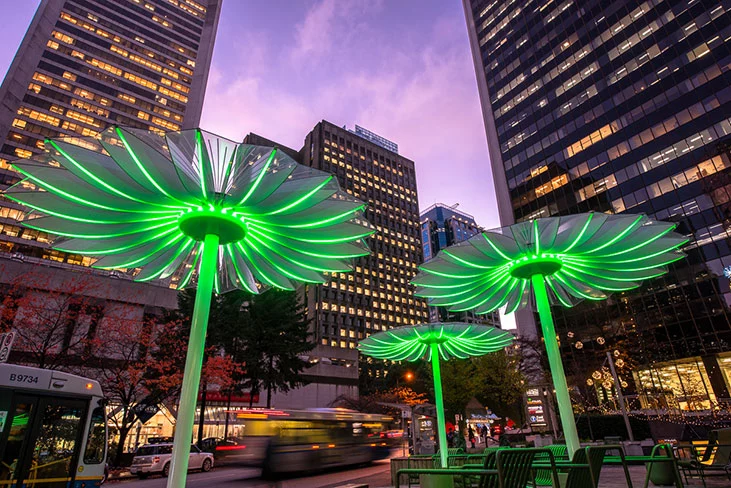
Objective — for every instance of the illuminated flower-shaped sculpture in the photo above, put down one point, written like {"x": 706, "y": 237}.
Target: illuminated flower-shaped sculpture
{"x": 435, "y": 341}
{"x": 188, "y": 204}
{"x": 136, "y": 199}
{"x": 565, "y": 259}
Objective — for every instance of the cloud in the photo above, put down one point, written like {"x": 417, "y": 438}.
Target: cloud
{"x": 416, "y": 88}
{"x": 329, "y": 25}
{"x": 248, "y": 104}
{"x": 314, "y": 33}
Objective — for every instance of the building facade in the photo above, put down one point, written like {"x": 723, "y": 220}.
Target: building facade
{"x": 376, "y": 295}
{"x": 85, "y": 65}
{"x": 442, "y": 226}
{"x": 621, "y": 107}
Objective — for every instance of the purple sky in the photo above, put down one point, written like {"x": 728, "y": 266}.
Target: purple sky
{"x": 402, "y": 69}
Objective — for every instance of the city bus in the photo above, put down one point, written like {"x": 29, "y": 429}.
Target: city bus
{"x": 53, "y": 429}
{"x": 291, "y": 441}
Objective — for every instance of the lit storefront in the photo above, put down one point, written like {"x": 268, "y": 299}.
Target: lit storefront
{"x": 680, "y": 385}
{"x": 162, "y": 425}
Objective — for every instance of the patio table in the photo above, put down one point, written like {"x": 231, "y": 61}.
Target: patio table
{"x": 650, "y": 461}
{"x": 613, "y": 460}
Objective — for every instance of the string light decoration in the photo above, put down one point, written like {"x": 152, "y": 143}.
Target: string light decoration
{"x": 563, "y": 260}
{"x": 224, "y": 214}
{"x": 436, "y": 341}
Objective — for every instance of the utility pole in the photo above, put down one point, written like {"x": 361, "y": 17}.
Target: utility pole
{"x": 618, "y": 387}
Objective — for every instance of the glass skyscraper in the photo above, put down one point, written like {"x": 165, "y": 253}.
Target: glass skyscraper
{"x": 442, "y": 226}
{"x": 84, "y": 65}
{"x": 621, "y": 106}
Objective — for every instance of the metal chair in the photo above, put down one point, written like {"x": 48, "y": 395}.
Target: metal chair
{"x": 505, "y": 468}
{"x": 586, "y": 466}
{"x": 544, "y": 477}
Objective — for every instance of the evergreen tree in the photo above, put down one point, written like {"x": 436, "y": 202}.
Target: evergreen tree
{"x": 267, "y": 333}
{"x": 275, "y": 337}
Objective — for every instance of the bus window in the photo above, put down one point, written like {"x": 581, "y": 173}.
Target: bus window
{"x": 96, "y": 442}
{"x": 19, "y": 424}
{"x": 56, "y": 443}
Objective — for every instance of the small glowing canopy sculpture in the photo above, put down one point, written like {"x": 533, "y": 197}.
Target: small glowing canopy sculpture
{"x": 192, "y": 204}
{"x": 565, "y": 259}
{"x": 436, "y": 340}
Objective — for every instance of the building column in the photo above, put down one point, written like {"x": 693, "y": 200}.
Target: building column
{"x": 715, "y": 375}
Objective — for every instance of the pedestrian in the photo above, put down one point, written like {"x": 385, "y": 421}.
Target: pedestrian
{"x": 485, "y": 433}
{"x": 471, "y": 434}
{"x": 459, "y": 442}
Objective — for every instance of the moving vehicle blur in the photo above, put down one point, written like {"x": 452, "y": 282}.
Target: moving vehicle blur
{"x": 226, "y": 451}
{"x": 289, "y": 441}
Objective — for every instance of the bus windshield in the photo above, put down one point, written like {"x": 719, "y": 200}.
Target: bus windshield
{"x": 52, "y": 428}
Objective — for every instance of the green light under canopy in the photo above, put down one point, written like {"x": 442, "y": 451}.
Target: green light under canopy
{"x": 436, "y": 341}
{"x": 563, "y": 260}
{"x": 452, "y": 340}
{"x": 122, "y": 197}
{"x": 583, "y": 256}
{"x": 197, "y": 206}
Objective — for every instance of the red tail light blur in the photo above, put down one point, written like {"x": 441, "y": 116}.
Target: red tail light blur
{"x": 230, "y": 448}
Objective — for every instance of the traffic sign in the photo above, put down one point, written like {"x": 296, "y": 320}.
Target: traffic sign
{"x": 6, "y": 343}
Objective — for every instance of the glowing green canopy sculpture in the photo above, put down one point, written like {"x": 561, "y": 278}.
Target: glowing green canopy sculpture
{"x": 445, "y": 340}
{"x": 192, "y": 203}
{"x": 566, "y": 259}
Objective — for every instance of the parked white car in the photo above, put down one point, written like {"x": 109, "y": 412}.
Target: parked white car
{"x": 155, "y": 459}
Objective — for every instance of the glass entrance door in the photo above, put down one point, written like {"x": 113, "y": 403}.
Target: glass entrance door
{"x": 43, "y": 445}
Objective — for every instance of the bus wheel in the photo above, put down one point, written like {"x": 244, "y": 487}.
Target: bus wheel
{"x": 166, "y": 470}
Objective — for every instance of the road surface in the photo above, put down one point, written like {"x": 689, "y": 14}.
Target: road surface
{"x": 376, "y": 475}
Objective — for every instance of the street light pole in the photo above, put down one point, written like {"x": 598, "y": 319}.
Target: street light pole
{"x": 620, "y": 397}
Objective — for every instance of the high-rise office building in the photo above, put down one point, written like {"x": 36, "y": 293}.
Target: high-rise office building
{"x": 84, "y": 65}
{"x": 621, "y": 107}
{"x": 376, "y": 295}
